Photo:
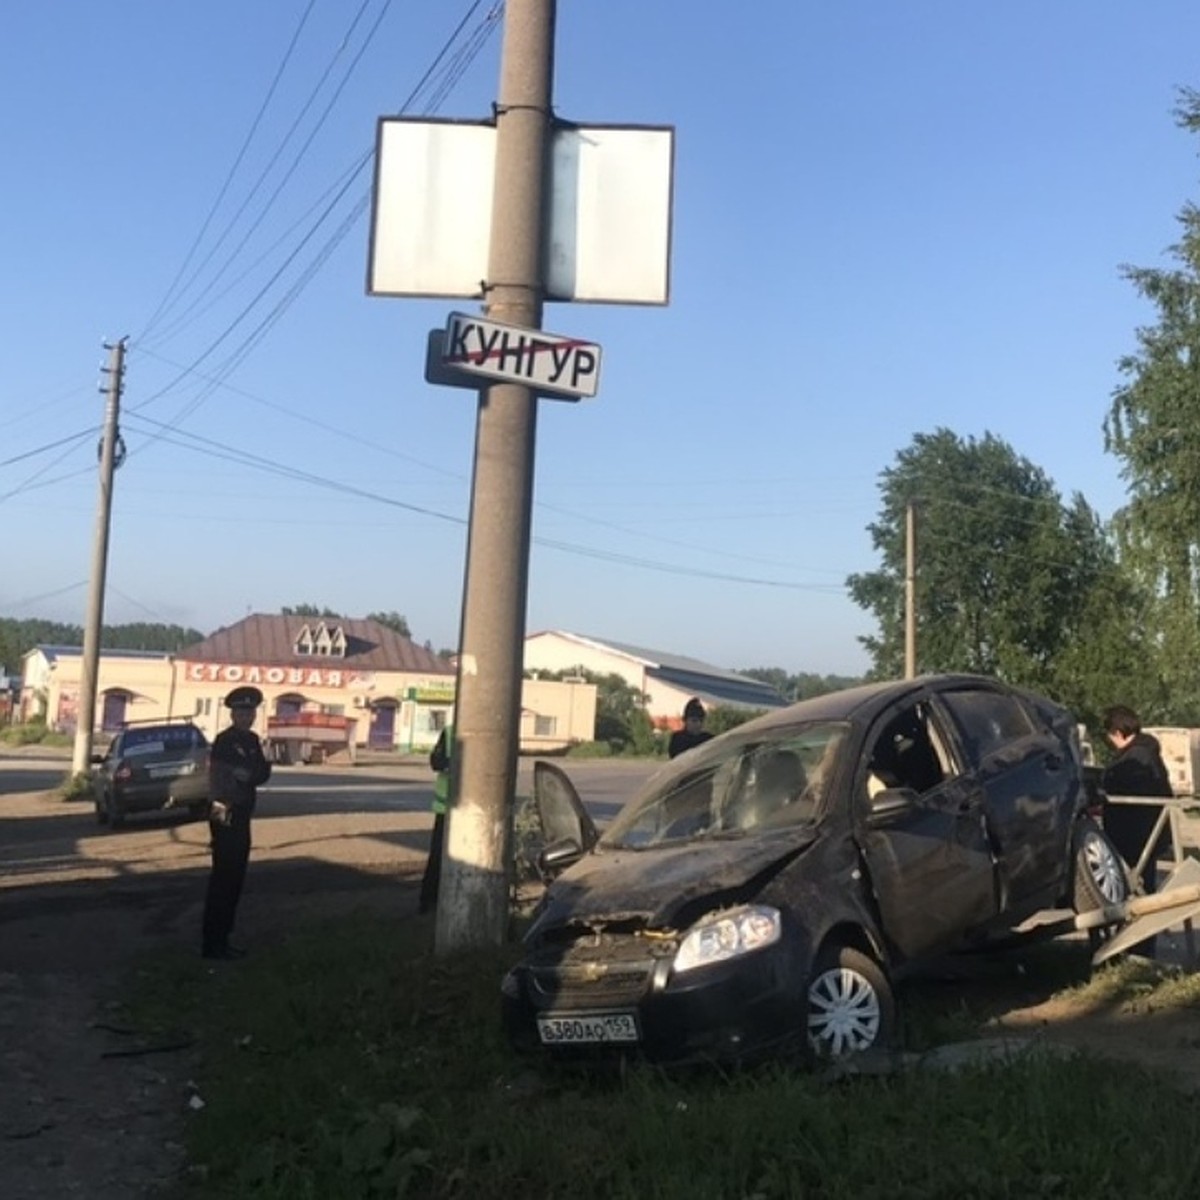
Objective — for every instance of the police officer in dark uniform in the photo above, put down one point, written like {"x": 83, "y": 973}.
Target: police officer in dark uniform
{"x": 237, "y": 767}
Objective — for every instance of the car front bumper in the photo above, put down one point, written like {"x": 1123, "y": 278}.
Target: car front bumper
{"x": 738, "y": 1010}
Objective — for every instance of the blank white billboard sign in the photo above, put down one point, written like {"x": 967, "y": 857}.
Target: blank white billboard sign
{"x": 609, "y": 221}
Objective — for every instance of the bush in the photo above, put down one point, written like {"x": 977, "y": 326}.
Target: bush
{"x": 30, "y": 734}
{"x": 590, "y": 750}
{"x": 76, "y": 787}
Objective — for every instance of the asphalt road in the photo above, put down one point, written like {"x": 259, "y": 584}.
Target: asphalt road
{"x": 325, "y": 827}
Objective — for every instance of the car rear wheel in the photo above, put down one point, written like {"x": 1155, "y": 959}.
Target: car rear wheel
{"x": 850, "y": 1004}
{"x": 1100, "y": 876}
{"x": 116, "y": 814}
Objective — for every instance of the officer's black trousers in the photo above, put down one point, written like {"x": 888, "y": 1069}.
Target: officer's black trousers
{"x": 230, "y": 854}
{"x": 431, "y": 880}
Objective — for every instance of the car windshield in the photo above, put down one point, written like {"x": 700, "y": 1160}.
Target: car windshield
{"x": 735, "y": 784}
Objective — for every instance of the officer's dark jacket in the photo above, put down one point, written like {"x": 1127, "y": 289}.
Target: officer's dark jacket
{"x": 237, "y": 766}
{"x": 1138, "y": 770}
{"x": 682, "y": 740}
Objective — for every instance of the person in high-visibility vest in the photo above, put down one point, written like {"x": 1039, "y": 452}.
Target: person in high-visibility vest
{"x": 439, "y": 760}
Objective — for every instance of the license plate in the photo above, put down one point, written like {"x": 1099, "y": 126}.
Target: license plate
{"x": 587, "y": 1029}
{"x": 169, "y": 772}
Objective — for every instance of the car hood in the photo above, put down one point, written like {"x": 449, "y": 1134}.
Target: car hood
{"x": 651, "y": 886}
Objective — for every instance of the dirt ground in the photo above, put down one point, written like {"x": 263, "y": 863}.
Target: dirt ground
{"x": 86, "y": 1109}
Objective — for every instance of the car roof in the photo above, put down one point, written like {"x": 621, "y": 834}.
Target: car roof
{"x": 151, "y": 728}
{"x": 865, "y": 700}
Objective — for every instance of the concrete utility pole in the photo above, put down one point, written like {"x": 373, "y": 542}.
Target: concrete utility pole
{"x": 472, "y": 906}
{"x": 86, "y": 715}
{"x": 910, "y": 592}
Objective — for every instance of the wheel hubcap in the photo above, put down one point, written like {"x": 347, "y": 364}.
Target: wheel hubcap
{"x": 1104, "y": 868}
{"x": 843, "y": 1013}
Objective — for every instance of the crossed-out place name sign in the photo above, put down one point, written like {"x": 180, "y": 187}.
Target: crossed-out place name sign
{"x": 548, "y": 362}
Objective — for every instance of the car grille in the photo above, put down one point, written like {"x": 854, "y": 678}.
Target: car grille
{"x": 596, "y": 971}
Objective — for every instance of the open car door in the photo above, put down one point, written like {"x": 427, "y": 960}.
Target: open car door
{"x": 560, "y": 810}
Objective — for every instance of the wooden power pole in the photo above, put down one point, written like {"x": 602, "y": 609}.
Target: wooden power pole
{"x": 910, "y": 592}
{"x": 86, "y": 714}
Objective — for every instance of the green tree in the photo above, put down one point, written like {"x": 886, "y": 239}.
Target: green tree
{"x": 310, "y": 610}
{"x": 146, "y": 636}
{"x": 10, "y": 657}
{"x": 724, "y": 717}
{"x": 22, "y": 636}
{"x": 800, "y": 686}
{"x": 1006, "y": 572}
{"x": 393, "y": 620}
{"x": 1153, "y": 427}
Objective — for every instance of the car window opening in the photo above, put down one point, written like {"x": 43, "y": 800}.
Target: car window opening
{"x": 907, "y": 754}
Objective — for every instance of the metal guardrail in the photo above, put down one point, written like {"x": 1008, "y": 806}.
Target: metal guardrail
{"x": 1174, "y": 815}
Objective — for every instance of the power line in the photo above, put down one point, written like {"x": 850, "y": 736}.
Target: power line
{"x": 296, "y": 160}
{"x": 62, "y": 591}
{"x": 215, "y": 449}
{"x": 30, "y": 480}
{"x": 324, "y": 426}
{"x": 241, "y": 154}
{"x": 72, "y": 438}
{"x": 322, "y": 256}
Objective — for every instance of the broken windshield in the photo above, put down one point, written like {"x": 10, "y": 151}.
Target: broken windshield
{"x": 734, "y": 784}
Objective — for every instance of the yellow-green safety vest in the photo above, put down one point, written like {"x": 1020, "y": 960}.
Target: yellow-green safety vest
{"x": 441, "y": 785}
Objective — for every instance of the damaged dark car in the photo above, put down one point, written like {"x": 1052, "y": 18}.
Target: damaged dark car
{"x": 763, "y": 892}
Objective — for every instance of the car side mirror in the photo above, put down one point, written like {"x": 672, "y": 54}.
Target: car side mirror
{"x": 97, "y": 759}
{"x": 891, "y": 803}
{"x": 558, "y": 856}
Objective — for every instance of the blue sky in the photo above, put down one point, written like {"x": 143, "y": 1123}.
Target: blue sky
{"x": 890, "y": 216}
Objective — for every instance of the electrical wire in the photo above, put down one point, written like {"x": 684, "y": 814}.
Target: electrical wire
{"x": 297, "y": 159}
{"x": 319, "y": 260}
{"x": 73, "y": 438}
{"x": 62, "y": 591}
{"x": 237, "y": 162}
{"x": 212, "y": 448}
{"x": 336, "y": 430}
{"x": 30, "y": 481}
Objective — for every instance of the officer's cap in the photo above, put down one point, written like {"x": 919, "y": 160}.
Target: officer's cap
{"x": 244, "y": 697}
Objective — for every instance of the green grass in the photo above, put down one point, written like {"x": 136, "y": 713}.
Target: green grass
{"x": 76, "y": 787}
{"x": 352, "y": 1063}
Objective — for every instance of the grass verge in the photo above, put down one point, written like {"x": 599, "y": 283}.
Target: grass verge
{"x": 352, "y": 1063}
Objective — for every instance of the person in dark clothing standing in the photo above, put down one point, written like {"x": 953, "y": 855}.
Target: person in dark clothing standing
{"x": 1137, "y": 770}
{"x": 693, "y": 732}
{"x": 237, "y": 768}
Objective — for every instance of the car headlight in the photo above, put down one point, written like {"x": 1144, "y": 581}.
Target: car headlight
{"x": 726, "y": 935}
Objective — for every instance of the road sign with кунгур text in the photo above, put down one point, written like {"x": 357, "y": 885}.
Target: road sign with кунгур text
{"x": 545, "y": 361}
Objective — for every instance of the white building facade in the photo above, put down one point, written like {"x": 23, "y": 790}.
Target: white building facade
{"x": 668, "y": 681}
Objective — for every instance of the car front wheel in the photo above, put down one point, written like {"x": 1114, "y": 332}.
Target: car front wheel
{"x": 850, "y": 1004}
